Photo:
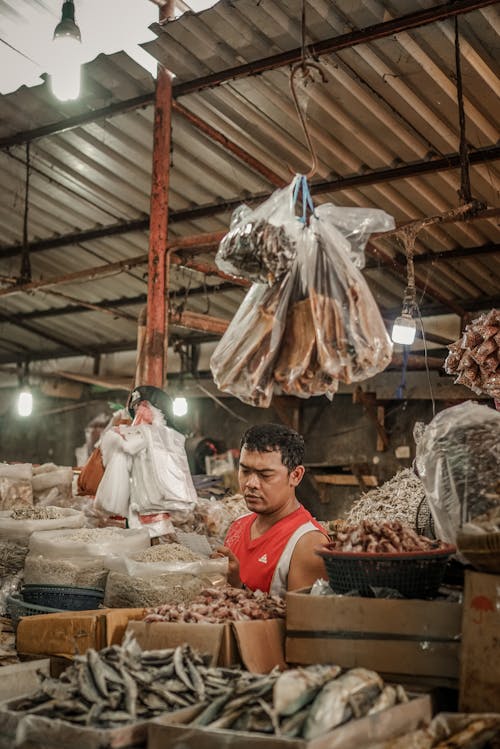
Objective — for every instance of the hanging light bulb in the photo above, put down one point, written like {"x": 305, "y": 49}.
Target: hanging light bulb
{"x": 180, "y": 406}
{"x": 25, "y": 402}
{"x": 65, "y": 78}
{"x": 404, "y": 329}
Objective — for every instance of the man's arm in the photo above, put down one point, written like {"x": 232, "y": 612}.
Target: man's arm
{"x": 306, "y": 566}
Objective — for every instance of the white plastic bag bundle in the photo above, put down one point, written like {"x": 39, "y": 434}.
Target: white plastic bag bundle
{"x": 113, "y": 492}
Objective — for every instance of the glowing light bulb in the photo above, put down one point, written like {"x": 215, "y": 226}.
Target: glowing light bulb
{"x": 404, "y": 329}
{"x": 25, "y": 403}
{"x": 180, "y": 406}
{"x": 66, "y": 73}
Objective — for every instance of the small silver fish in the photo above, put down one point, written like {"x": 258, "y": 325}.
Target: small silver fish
{"x": 387, "y": 698}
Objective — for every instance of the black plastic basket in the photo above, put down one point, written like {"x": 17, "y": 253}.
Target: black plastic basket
{"x": 64, "y": 597}
{"x": 412, "y": 574}
{"x": 17, "y": 608}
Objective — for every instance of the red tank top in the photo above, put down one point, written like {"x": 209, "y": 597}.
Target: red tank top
{"x": 259, "y": 557}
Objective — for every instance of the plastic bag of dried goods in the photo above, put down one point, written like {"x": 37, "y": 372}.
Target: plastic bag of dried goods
{"x": 356, "y": 225}
{"x": 52, "y": 485}
{"x": 457, "y": 461}
{"x": 15, "y": 485}
{"x": 123, "y": 591}
{"x": 243, "y": 361}
{"x": 209, "y": 569}
{"x": 89, "y": 542}
{"x": 351, "y": 338}
{"x": 78, "y": 572}
{"x": 21, "y": 523}
{"x": 261, "y": 242}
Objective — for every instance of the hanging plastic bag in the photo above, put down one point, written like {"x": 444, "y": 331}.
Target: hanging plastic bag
{"x": 113, "y": 492}
{"x": 261, "y": 243}
{"x": 457, "y": 461}
{"x": 356, "y": 225}
{"x": 352, "y": 340}
{"x": 243, "y": 361}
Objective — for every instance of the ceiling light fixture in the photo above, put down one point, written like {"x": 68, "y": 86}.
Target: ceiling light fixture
{"x": 66, "y": 73}
{"x": 25, "y": 402}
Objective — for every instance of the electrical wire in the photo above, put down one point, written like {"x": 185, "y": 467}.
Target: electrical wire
{"x": 424, "y": 339}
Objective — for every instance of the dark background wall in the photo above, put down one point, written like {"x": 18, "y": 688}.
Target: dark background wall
{"x": 338, "y": 434}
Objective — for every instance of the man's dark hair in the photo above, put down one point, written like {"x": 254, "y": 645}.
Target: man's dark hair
{"x": 265, "y": 438}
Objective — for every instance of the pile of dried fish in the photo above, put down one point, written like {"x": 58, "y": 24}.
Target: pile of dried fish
{"x": 306, "y": 702}
{"x": 256, "y": 249}
{"x": 475, "y": 357}
{"x": 386, "y": 538}
{"x": 77, "y": 572}
{"x": 397, "y": 499}
{"x": 123, "y": 684}
{"x": 37, "y": 513}
{"x": 215, "y": 605}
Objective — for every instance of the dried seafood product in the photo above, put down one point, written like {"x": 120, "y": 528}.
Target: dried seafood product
{"x": 396, "y": 499}
{"x": 122, "y": 684}
{"x": 302, "y": 702}
{"x": 475, "y": 357}
{"x": 243, "y": 361}
{"x": 257, "y": 250}
{"x": 216, "y": 605}
{"x": 37, "y": 513}
{"x": 172, "y": 552}
{"x": 386, "y": 538}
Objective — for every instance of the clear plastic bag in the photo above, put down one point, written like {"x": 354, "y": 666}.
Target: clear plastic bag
{"x": 89, "y": 542}
{"x": 22, "y": 529}
{"x": 356, "y": 225}
{"x": 243, "y": 361}
{"x": 74, "y": 571}
{"x": 205, "y": 568}
{"x": 351, "y": 337}
{"x": 457, "y": 461}
{"x": 261, "y": 243}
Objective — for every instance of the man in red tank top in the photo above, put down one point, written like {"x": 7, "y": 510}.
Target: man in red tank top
{"x": 272, "y": 547}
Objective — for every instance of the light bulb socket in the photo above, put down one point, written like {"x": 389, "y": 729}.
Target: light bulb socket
{"x": 67, "y": 25}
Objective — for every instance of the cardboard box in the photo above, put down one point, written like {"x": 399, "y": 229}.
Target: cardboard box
{"x": 21, "y": 678}
{"x": 480, "y": 655}
{"x": 258, "y": 645}
{"x": 73, "y": 632}
{"x": 356, "y": 734}
{"x": 398, "y": 638}
{"x": 38, "y": 732}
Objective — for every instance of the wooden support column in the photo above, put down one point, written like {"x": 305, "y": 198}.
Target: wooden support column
{"x": 156, "y": 317}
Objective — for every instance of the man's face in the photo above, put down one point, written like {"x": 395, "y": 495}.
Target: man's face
{"x": 266, "y": 484}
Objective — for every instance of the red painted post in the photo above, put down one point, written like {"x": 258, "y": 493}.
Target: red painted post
{"x": 156, "y": 330}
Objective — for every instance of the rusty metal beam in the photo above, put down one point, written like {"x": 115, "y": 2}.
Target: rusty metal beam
{"x": 327, "y": 46}
{"x": 155, "y": 341}
{"x": 376, "y": 176}
{"x": 218, "y": 137}
{"x": 199, "y": 242}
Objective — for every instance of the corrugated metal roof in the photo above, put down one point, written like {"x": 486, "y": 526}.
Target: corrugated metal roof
{"x": 385, "y": 103}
